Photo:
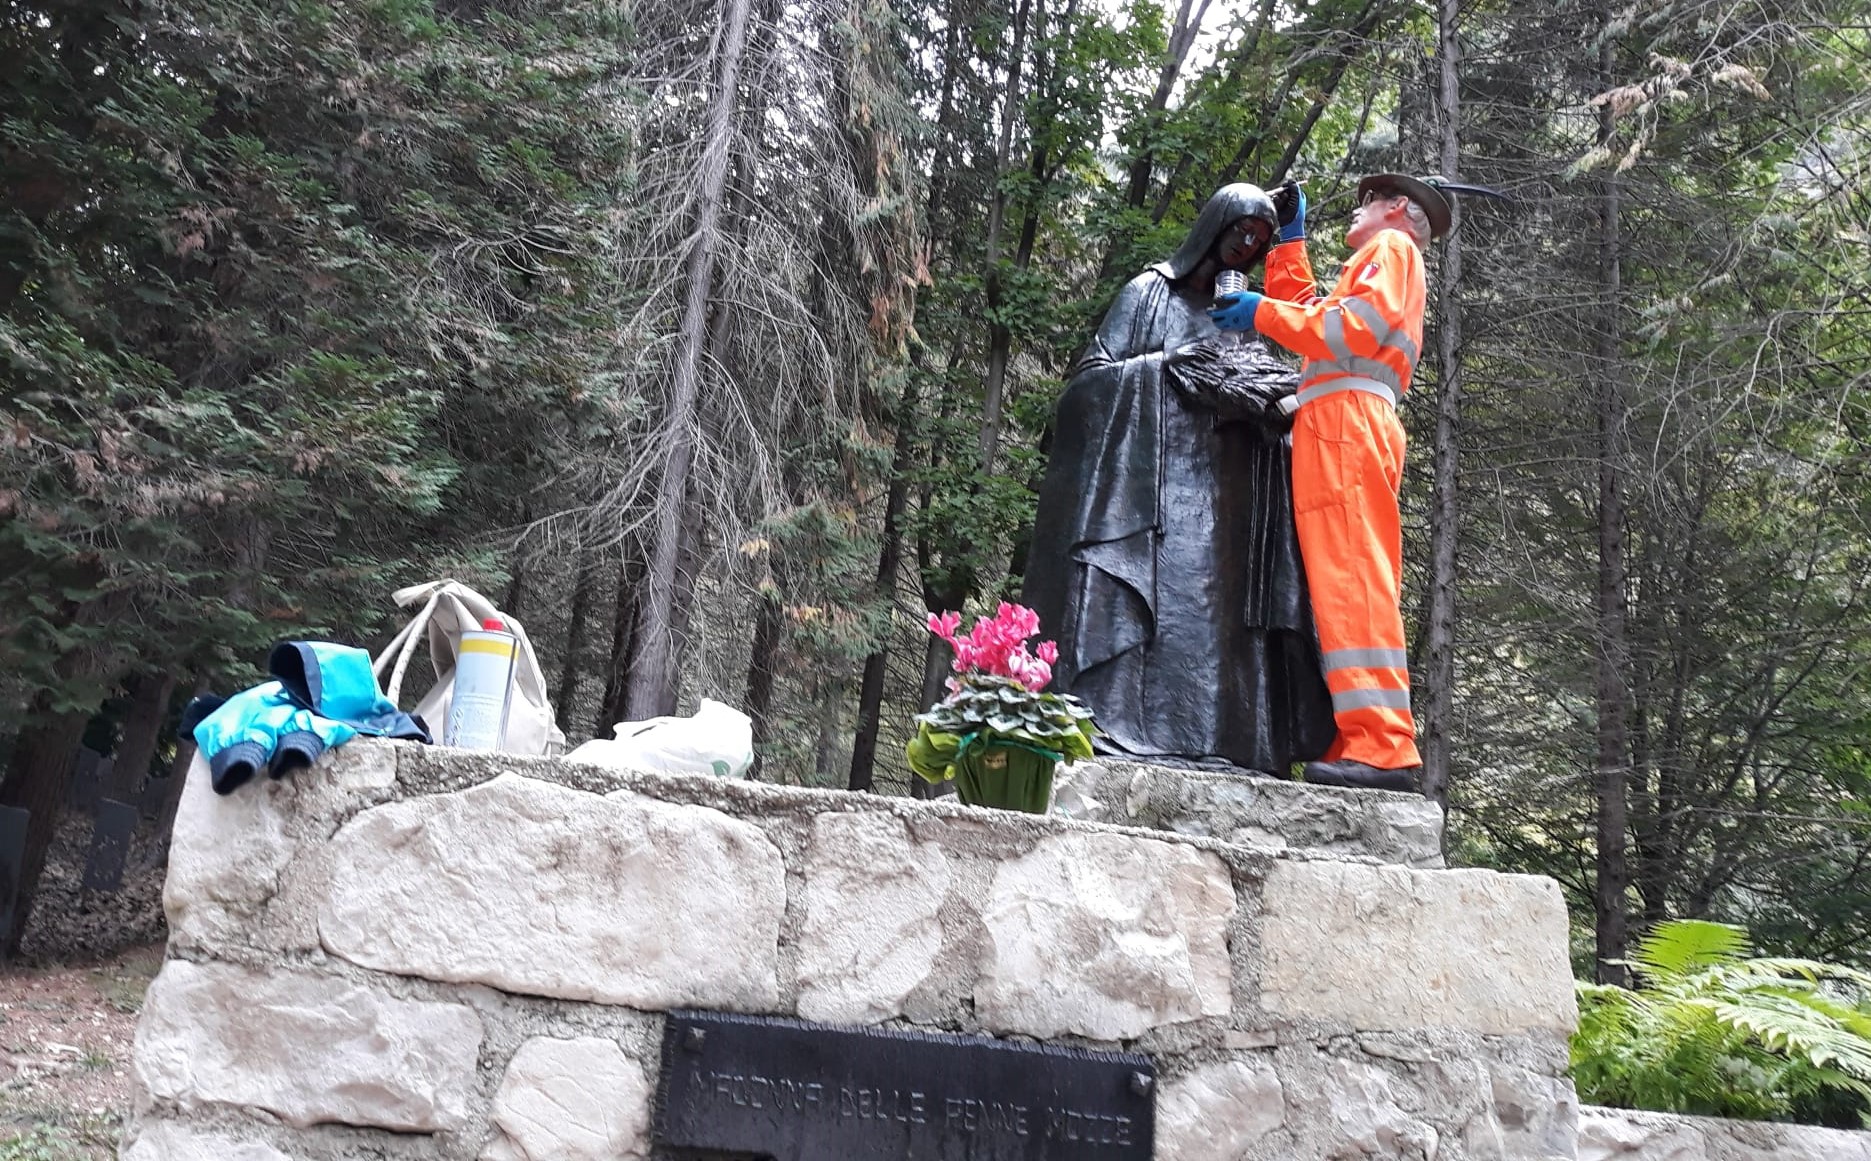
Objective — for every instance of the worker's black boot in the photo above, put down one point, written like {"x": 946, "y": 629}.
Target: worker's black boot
{"x": 1346, "y": 772}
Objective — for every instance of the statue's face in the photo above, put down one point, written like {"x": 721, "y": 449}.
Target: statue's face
{"x": 1243, "y": 243}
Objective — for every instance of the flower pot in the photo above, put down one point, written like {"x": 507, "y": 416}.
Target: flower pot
{"x": 1008, "y": 776}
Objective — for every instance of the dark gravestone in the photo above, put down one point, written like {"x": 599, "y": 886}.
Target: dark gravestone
{"x": 13, "y": 822}
{"x": 110, "y": 845}
{"x": 154, "y": 797}
{"x": 87, "y": 779}
{"x": 748, "y": 1086}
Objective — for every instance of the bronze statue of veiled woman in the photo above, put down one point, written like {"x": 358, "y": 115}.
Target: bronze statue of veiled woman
{"x": 1164, "y": 558}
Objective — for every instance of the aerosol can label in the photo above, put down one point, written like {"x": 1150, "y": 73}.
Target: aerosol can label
{"x": 477, "y": 711}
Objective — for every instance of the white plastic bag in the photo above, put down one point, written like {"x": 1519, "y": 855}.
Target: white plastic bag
{"x": 719, "y": 739}
{"x": 447, "y": 610}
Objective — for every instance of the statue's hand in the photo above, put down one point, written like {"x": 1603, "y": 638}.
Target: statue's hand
{"x": 1197, "y": 372}
{"x": 1251, "y": 391}
{"x": 1254, "y": 400}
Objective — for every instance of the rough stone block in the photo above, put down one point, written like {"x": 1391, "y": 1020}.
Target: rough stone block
{"x": 871, "y": 933}
{"x": 228, "y": 884}
{"x": 309, "y": 1049}
{"x": 1105, "y": 936}
{"x": 166, "y": 1141}
{"x": 1529, "y": 1117}
{"x": 226, "y": 857}
{"x": 1365, "y": 1114}
{"x": 1219, "y": 1112}
{"x": 571, "y": 1100}
{"x": 1263, "y": 812}
{"x": 537, "y": 889}
{"x": 1625, "y": 1135}
{"x": 1384, "y": 948}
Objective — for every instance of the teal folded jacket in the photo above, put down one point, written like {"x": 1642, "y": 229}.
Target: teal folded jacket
{"x": 322, "y": 695}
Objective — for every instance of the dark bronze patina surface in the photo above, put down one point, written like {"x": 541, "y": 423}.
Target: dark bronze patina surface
{"x": 1164, "y": 557}
{"x": 749, "y": 1086}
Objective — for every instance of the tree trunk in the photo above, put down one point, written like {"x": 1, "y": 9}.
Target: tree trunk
{"x": 1181, "y": 38}
{"x": 624, "y": 622}
{"x": 1000, "y": 339}
{"x": 1235, "y": 80}
{"x": 828, "y": 694}
{"x": 1143, "y": 163}
{"x": 516, "y": 584}
{"x": 1612, "y": 691}
{"x": 1444, "y": 515}
{"x": 574, "y": 641}
{"x": 149, "y": 708}
{"x": 889, "y": 561}
{"x": 652, "y": 665}
{"x": 1361, "y": 30}
{"x": 44, "y": 755}
{"x": 759, "y": 699}
{"x": 942, "y": 164}
{"x": 937, "y": 658}
{"x": 688, "y": 572}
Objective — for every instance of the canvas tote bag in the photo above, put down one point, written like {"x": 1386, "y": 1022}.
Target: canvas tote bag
{"x": 445, "y": 610}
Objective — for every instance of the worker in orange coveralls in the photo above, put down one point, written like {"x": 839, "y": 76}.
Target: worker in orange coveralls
{"x": 1360, "y": 345}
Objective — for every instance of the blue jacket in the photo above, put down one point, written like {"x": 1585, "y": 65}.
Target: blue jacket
{"x": 321, "y": 695}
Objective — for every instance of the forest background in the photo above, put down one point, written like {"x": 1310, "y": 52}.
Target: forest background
{"x": 718, "y": 339}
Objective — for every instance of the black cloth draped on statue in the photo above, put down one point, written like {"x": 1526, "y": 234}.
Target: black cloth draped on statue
{"x": 1164, "y": 558}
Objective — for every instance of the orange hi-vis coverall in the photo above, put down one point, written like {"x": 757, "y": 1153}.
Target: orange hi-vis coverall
{"x": 1360, "y": 344}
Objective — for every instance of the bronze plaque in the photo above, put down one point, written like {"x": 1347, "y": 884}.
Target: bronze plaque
{"x": 751, "y": 1086}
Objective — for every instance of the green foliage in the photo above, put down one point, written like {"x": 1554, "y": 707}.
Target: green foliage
{"x": 283, "y": 276}
{"x": 1718, "y": 387}
{"x": 1710, "y": 1031}
{"x": 1004, "y": 709}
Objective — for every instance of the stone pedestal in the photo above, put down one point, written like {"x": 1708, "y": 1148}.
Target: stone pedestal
{"x": 420, "y": 953}
{"x": 1266, "y": 813}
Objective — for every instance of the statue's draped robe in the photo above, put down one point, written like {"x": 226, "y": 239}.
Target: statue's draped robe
{"x": 1164, "y": 558}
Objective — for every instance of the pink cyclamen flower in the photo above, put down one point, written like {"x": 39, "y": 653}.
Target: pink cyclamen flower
{"x": 1029, "y": 671}
{"x": 1019, "y": 620}
{"x": 997, "y": 645}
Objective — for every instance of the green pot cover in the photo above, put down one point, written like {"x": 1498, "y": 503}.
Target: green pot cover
{"x": 1011, "y": 777}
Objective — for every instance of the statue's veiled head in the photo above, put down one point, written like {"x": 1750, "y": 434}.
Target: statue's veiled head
{"x": 1229, "y": 229}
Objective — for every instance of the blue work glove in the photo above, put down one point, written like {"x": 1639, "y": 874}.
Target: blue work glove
{"x": 1235, "y": 312}
{"x": 239, "y": 738}
{"x": 1289, "y": 205}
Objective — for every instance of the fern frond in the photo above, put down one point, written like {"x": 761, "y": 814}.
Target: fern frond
{"x": 1790, "y": 1027}
{"x": 1682, "y": 946}
{"x": 1708, "y": 1031}
{"x": 1814, "y": 970}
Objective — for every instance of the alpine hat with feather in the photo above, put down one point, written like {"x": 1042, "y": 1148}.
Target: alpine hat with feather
{"x": 1432, "y": 193}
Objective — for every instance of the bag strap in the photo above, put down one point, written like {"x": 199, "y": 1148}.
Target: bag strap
{"x": 469, "y": 609}
{"x": 407, "y": 640}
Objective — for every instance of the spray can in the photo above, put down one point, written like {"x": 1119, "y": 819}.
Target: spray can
{"x": 477, "y": 711}
{"x": 1232, "y": 282}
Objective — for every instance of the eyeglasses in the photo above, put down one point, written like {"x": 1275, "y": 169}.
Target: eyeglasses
{"x": 1379, "y": 196}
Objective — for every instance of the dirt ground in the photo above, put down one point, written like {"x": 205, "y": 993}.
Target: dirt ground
{"x": 65, "y": 1035}
{"x": 68, "y": 1007}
